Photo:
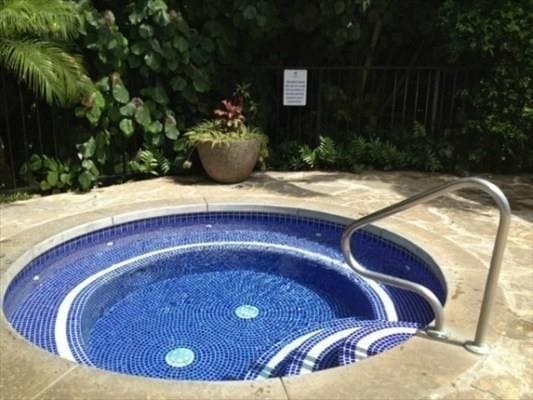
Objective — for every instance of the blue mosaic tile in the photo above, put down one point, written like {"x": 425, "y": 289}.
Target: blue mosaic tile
{"x": 375, "y": 339}
{"x": 291, "y": 292}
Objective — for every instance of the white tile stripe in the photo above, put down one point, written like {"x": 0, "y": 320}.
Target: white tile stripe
{"x": 281, "y": 354}
{"x": 361, "y": 350}
{"x": 61, "y": 326}
{"x": 313, "y": 354}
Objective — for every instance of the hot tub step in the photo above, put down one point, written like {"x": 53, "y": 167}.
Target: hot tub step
{"x": 281, "y": 358}
{"x": 374, "y": 339}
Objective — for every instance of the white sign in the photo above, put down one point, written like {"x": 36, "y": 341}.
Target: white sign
{"x": 295, "y": 87}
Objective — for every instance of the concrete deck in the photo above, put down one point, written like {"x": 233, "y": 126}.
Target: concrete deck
{"x": 457, "y": 231}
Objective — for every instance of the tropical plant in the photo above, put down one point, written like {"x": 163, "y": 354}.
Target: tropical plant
{"x": 34, "y": 47}
{"x": 227, "y": 126}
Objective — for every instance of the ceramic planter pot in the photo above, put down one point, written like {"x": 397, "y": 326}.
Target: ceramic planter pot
{"x": 230, "y": 162}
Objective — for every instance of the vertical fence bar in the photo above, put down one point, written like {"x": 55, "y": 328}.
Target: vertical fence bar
{"x": 24, "y": 131}
{"x": 54, "y": 136}
{"x": 9, "y": 138}
{"x": 359, "y": 94}
{"x": 405, "y": 93}
{"x": 318, "y": 130}
{"x": 39, "y": 128}
{"x": 443, "y": 87}
{"x": 417, "y": 90}
{"x": 435, "y": 102}
{"x": 393, "y": 106}
{"x": 381, "y": 118}
{"x": 352, "y": 95}
{"x": 278, "y": 100}
{"x": 428, "y": 90}
{"x": 452, "y": 100}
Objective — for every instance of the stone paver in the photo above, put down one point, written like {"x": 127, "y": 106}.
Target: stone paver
{"x": 459, "y": 229}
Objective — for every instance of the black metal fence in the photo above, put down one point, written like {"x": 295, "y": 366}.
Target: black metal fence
{"x": 377, "y": 101}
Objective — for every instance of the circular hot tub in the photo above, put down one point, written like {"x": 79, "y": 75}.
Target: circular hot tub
{"x": 220, "y": 296}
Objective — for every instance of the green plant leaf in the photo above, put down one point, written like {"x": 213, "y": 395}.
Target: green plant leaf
{"x": 178, "y": 84}
{"x": 142, "y": 116}
{"x": 35, "y": 162}
{"x": 88, "y": 164}
{"x": 146, "y": 31}
{"x": 159, "y": 95}
{"x": 171, "y": 130}
{"x": 48, "y": 69}
{"x": 120, "y": 93}
{"x": 153, "y": 61}
{"x": 181, "y": 44}
{"x": 201, "y": 85}
{"x": 86, "y": 180}
{"x": 66, "y": 179}
{"x": 45, "y": 186}
{"x": 52, "y": 178}
{"x": 93, "y": 115}
{"x": 155, "y": 127}
{"x": 250, "y": 12}
{"x": 339, "y": 7}
{"x": 128, "y": 110}
{"x": 87, "y": 149}
{"x": 126, "y": 126}
{"x": 139, "y": 48}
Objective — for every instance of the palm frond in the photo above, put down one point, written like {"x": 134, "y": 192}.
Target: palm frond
{"x": 46, "y": 68}
{"x": 53, "y": 18}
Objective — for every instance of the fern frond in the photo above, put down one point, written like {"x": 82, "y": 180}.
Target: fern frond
{"x": 47, "y": 69}
{"x": 53, "y": 18}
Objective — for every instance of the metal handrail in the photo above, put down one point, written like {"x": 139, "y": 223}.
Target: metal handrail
{"x": 478, "y": 345}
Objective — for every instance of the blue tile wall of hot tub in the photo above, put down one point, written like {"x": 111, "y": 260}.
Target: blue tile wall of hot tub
{"x": 33, "y": 297}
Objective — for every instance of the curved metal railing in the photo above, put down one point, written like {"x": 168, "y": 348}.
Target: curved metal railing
{"x": 478, "y": 345}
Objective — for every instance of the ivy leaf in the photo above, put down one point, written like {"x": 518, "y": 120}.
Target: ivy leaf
{"x": 159, "y": 95}
{"x": 45, "y": 186}
{"x": 142, "y": 116}
{"x": 120, "y": 93}
{"x": 126, "y": 126}
{"x": 139, "y": 48}
{"x": 208, "y": 45}
{"x": 339, "y": 7}
{"x": 128, "y": 110}
{"x": 87, "y": 149}
{"x": 102, "y": 144}
{"x": 153, "y": 61}
{"x": 172, "y": 64}
{"x": 86, "y": 180}
{"x": 181, "y": 44}
{"x": 171, "y": 131}
{"x": 201, "y": 85}
{"x": 178, "y": 84}
{"x": 155, "y": 127}
{"x": 35, "y": 162}
{"x": 99, "y": 100}
{"x": 87, "y": 164}
{"x": 52, "y": 178}
{"x": 250, "y": 12}
{"x": 93, "y": 116}
{"x": 146, "y": 31}
{"x": 66, "y": 179}
{"x": 103, "y": 84}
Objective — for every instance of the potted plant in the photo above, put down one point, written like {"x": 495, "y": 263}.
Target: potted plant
{"x": 228, "y": 148}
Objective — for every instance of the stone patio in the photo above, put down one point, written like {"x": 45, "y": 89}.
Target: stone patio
{"x": 457, "y": 230}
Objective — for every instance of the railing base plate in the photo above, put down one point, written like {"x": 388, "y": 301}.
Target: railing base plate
{"x": 437, "y": 334}
{"x": 477, "y": 349}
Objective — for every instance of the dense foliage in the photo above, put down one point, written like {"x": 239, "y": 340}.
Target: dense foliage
{"x": 160, "y": 65}
{"x": 32, "y": 48}
{"x": 498, "y": 35}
